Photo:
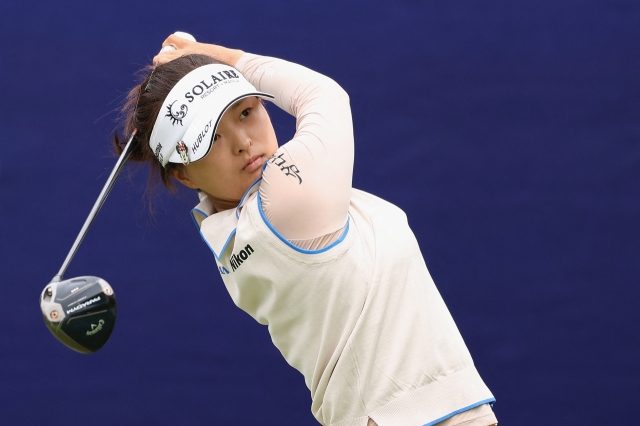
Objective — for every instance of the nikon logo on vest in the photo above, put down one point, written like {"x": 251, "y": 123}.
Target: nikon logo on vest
{"x": 237, "y": 259}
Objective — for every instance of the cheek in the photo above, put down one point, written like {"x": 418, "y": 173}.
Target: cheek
{"x": 204, "y": 171}
{"x": 269, "y": 134}
{"x": 213, "y": 167}
{"x": 218, "y": 170}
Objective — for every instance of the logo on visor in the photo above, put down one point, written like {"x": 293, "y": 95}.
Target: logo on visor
{"x": 176, "y": 114}
{"x": 158, "y": 153}
{"x": 182, "y": 150}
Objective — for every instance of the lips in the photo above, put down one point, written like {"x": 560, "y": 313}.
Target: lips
{"x": 254, "y": 163}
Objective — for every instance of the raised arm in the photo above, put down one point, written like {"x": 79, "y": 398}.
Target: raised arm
{"x": 306, "y": 185}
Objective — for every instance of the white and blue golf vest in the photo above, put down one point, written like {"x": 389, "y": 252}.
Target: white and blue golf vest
{"x": 361, "y": 319}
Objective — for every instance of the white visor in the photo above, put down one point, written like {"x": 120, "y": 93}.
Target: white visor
{"x": 184, "y": 129}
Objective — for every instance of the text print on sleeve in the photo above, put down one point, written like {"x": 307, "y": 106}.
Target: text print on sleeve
{"x": 291, "y": 170}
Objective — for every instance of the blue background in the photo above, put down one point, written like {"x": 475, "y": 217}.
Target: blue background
{"x": 507, "y": 131}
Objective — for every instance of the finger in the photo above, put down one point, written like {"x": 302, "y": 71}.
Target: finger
{"x": 168, "y": 48}
{"x": 176, "y": 41}
{"x": 184, "y": 35}
{"x": 167, "y": 41}
{"x": 166, "y": 56}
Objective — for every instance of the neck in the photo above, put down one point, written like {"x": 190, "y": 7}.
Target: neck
{"x": 222, "y": 204}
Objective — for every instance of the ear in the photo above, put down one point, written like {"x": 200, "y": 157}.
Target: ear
{"x": 180, "y": 174}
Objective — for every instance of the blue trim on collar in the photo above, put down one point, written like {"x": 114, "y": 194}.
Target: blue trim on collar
{"x": 194, "y": 217}
{"x": 233, "y": 232}
{"x": 462, "y": 410}
{"x": 226, "y": 243}
{"x": 301, "y": 250}
{"x": 245, "y": 196}
{"x": 224, "y": 247}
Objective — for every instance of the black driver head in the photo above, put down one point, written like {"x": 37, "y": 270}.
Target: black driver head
{"x": 80, "y": 312}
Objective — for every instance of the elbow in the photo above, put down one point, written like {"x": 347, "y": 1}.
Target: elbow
{"x": 337, "y": 90}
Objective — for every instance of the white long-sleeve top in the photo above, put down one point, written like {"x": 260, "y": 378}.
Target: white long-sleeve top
{"x": 358, "y": 315}
{"x": 313, "y": 214}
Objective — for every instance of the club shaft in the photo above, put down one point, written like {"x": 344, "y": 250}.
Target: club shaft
{"x": 122, "y": 160}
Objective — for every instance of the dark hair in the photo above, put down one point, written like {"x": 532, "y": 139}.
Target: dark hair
{"x": 142, "y": 106}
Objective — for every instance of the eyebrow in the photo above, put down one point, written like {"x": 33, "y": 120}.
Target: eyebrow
{"x": 237, "y": 104}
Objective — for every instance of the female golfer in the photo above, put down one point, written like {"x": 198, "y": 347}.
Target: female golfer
{"x": 335, "y": 273}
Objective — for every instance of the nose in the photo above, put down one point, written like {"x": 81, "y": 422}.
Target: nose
{"x": 241, "y": 142}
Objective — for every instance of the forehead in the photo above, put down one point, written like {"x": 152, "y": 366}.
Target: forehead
{"x": 244, "y": 101}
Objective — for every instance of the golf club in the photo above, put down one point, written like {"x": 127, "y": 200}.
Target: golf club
{"x": 81, "y": 312}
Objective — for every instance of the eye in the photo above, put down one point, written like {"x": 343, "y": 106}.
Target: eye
{"x": 216, "y": 137}
{"x": 245, "y": 113}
